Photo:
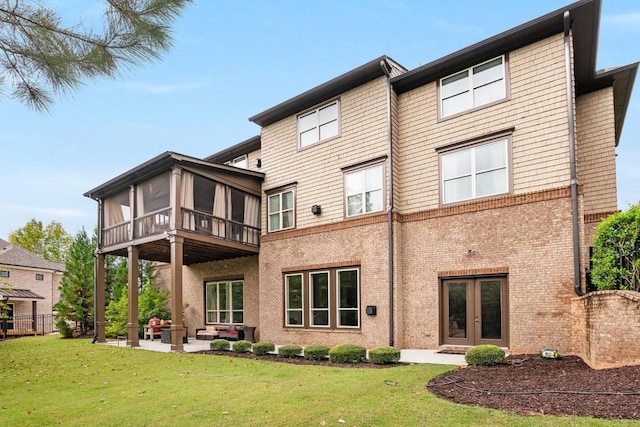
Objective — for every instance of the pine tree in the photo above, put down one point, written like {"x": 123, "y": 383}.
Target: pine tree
{"x": 76, "y": 286}
{"x": 40, "y": 55}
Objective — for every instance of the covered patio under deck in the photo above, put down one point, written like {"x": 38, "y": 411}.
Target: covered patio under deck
{"x": 177, "y": 210}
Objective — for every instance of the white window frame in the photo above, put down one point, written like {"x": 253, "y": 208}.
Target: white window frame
{"x": 339, "y": 308}
{"x": 314, "y": 124}
{"x": 288, "y": 309}
{"x": 313, "y": 309}
{"x": 280, "y": 210}
{"x": 362, "y": 191}
{"x": 471, "y": 87}
{"x": 473, "y": 173}
{"x": 216, "y": 310}
{"x": 239, "y": 162}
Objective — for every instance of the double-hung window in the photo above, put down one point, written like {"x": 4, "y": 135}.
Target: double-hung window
{"x": 363, "y": 189}
{"x": 293, "y": 299}
{"x": 281, "y": 210}
{"x": 480, "y": 170}
{"x": 319, "y": 124}
{"x": 473, "y": 87}
{"x": 328, "y": 299}
{"x": 225, "y": 301}
{"x": 319, "y": 298}
{"x": 348, "y": 297}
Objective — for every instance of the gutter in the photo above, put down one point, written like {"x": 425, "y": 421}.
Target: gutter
{"x": 572, "y": 157}
{"x": 390, "y": 238}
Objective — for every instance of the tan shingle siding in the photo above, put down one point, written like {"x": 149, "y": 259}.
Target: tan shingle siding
{"x": 317, "y": 169}
{"x": 536, "y": 109}
{"x": 596, "y": 158}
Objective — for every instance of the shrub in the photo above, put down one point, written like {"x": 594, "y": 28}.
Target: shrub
{"x": 616, "y": 252}
{"x": 64, "y": 328}
{"x": 290, "y": 350}
{"x": 219, "y": 345}
{"x": 316, "y": 352}
{"x": 485, "y": 354}
{"x": 383, "y": 355}
{"x": 348, "y": 353}
{"x": 262, "y": 348}
{"x": 241, "y": 346}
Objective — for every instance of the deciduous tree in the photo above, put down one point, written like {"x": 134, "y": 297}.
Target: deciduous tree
{"x": 50, "y": 242}
{"x": 40, "y": 56}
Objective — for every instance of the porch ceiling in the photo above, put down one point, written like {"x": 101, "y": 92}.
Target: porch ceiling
{"x": 195, "y": 250}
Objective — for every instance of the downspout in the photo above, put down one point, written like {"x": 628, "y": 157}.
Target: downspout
{"x": 390, "y": 234}
{"x": 572, "y": 157}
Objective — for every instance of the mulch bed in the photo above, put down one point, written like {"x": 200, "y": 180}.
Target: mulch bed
{"x": 532, "y": 385}
{"x": 527, "y": 385}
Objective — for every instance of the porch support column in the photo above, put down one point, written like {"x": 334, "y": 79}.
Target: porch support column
{"x": 99, "y": 298}
{"x": 176, "y": 292}
{"x": 132, "y": 324}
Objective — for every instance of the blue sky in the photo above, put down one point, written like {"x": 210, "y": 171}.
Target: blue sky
{"x": 233, "y": 59}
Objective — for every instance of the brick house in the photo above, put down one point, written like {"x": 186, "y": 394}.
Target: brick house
{"x": 28, "y": 288}
{"x": 449, "y": 205}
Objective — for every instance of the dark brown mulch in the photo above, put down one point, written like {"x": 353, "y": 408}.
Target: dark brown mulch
{"x": 532, "y": 385}
{"x": 296, "y": 360}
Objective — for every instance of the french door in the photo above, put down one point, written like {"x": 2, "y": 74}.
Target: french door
{"x": 474, "y": 311}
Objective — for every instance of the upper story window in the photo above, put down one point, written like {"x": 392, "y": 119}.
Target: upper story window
{"x": 281, "y": 210}
{"x": 319, "y": 124}
{"x": 477, "y": 171}
{"x": 39, "y": 276}
{"x": 239, "y": 162}
{"x": 473, "y": 87}
{"x": 363, "y": 190}
{"x": 4, "y": 273}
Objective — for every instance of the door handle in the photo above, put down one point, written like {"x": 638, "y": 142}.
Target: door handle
{"x": 477, "y": 320}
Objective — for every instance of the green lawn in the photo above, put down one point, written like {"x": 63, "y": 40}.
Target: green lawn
{"x": 49, "y": 381}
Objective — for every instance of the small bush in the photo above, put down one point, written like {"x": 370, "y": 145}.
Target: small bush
{"x": 383, "y": 355}
{"x": 219, "y": 345}
{"x": 241, "y": 346}
{"x": 316, "y": 352}
{"x": 290, "y": 350}
{"x": 348, "y": 353}
{"x": 262, "y": 348}
{"x": 64, "y": 328}
{"x": 486, "y": 354}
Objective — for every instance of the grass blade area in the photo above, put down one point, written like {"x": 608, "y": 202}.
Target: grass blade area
{"x": 51, "y": 381}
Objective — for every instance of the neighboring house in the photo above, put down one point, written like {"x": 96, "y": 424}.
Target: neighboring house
{"x": 28, "y": 288}
{"x": 453, "y": 204}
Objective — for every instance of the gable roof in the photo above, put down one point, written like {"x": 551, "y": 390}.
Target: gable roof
{"x": 20, "y": 257}
{"x": 585, "y": 23}
{"x": 228, "y": 154}
{"x": 159, "y": 164}
{"x": 347, "y": 81}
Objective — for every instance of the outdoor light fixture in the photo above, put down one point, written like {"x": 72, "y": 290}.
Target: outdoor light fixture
{"x": 316, "y": 209}
{"x": 258, "y": 163}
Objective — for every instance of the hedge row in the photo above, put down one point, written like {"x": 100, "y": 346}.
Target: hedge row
{"x": 342, "y": 353}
